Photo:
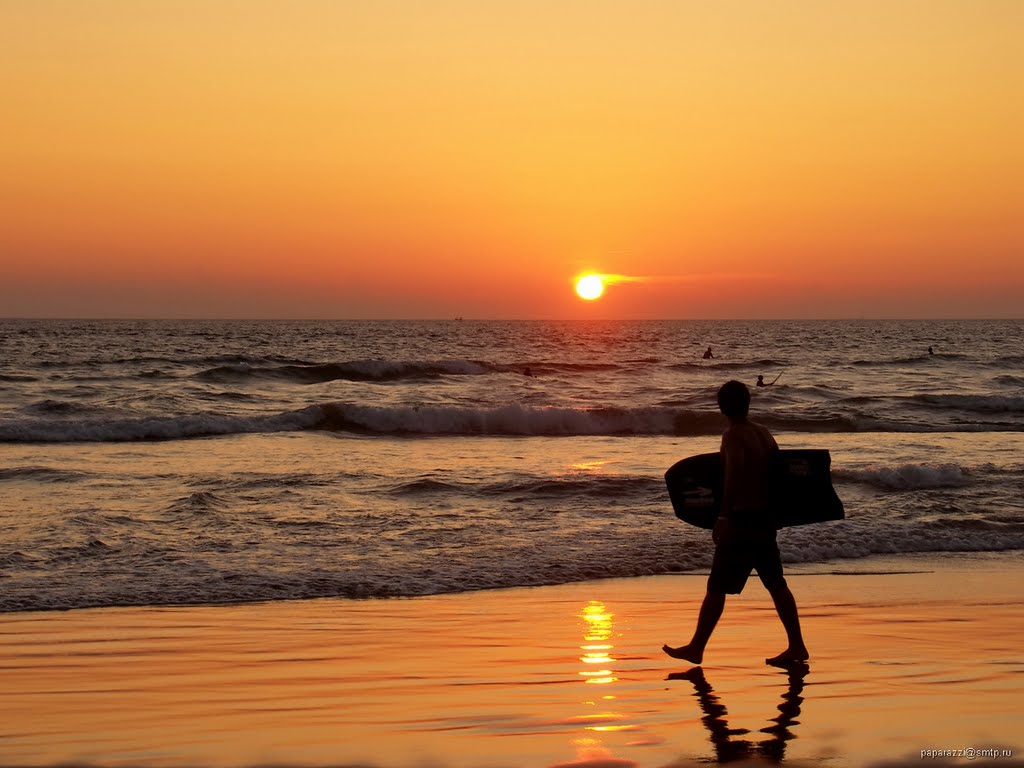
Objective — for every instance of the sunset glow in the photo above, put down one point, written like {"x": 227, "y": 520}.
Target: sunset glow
{"x": 396, "y": 160}
{"x": 590, "y": 287}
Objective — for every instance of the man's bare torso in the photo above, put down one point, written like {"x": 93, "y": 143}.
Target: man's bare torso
{"x": 747, "y": 450}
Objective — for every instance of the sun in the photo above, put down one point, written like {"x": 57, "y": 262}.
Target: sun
{"x": 590, "y": 287}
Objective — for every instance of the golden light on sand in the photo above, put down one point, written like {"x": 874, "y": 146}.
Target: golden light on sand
{"x": 590, "y": 287}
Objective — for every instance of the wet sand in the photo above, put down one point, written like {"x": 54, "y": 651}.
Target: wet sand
{"x": 919, "y": 653}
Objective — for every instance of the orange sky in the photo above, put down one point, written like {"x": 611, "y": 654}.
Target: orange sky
{"x": 327, "y": 158}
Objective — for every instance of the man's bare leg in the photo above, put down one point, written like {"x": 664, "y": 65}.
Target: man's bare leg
{"x": 710, "y": 613}
{"x": 785, "y": 605}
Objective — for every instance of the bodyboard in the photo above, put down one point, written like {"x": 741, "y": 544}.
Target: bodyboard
{"x": 801, "y": 489}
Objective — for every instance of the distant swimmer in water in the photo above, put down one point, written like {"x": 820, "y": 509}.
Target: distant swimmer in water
{"x": 527, "y": 371}
{"x": 762, "y": 383}
{"x": 931, "y": 351}
{"x": 708, "y": 354}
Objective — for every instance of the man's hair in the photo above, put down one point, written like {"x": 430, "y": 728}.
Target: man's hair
{"x": 734, "y": 399}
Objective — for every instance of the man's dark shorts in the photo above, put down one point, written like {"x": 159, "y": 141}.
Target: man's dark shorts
{"x": 745, "y": 550}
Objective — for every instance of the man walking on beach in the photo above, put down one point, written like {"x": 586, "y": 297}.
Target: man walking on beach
{"x": 745, "y": 532}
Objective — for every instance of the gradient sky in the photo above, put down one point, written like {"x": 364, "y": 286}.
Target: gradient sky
{"x": 335, "y": 159}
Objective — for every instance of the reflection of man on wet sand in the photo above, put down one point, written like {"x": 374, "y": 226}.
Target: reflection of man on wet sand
{"x": 728, "y": 749}
{"x": 745, "y": 531}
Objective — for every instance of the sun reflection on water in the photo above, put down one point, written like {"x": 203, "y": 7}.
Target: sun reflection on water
{"x": 598, "y": 669}
{"x": 597, "y": 643}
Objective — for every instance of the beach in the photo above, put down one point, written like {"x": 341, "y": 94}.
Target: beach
{"x": 908, "y": 654}
{"x": 371, "y": 375}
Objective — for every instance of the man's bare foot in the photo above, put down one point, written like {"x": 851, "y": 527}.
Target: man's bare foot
{"x": 686, "y": 653}
{"x": 789, "y": 656}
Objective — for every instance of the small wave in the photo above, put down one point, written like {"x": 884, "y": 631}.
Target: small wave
{"x": 971, "y": 524}
{"x": 14, "y": 377}
{"x": 59, "y": 407}
{"x": 900, "y": 361}
{"x": 228, "y": 395}
{"x": 906, "y": 477}
{"x": 358, "y": 370}
{"x": 602, "y": 486}
{"x": 976, "y": 403}
{"x": 730, "y": 364}
{"x": 17, "y": 558}
{"x": 93, "y": 548}
{"x": 827, "y": 423}
{"x": 555, "y": 367}
{"x": 1007, "y": 360}
{"x": 202, "y": 360}
{"x": 42, "y": 474}
{"x": 200, "y": 501}
{"x": 156, "y": 428}
{"x": 424, "y": 487}
{"x": 518, "y": 420}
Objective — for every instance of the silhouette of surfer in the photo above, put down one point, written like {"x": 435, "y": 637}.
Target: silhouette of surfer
{"x": 744, "y": 533}
{"x": 931, "y": 351}
{"x": 708, "y": 354}
{"x": 762, "y": 383}
{"x": 729, "y": 749}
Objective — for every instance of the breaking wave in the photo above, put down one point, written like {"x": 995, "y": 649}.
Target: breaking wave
{"x": 388, "y": 370}
{"x": 906, "y": 477}
{"x": 509, "y": 420}
{"x": 358, "y": 370}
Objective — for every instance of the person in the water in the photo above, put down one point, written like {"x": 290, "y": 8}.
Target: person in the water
{"x": 745, "y": 532}
{"x": 708, "y": 354}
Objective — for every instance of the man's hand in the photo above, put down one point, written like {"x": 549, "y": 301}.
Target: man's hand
{"x": 721, "y": 530}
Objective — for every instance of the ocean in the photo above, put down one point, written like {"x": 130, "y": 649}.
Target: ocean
{"x": 171, "y": 462}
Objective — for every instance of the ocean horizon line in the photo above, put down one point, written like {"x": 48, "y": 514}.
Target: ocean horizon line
{"x": 201, "y": 319}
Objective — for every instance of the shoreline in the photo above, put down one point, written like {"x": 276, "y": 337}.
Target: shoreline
{"x": 924, "y": 658}
{"x": 869, "y": 565}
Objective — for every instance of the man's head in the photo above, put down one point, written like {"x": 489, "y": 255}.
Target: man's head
{"x": 734, "y": 400}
